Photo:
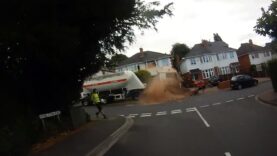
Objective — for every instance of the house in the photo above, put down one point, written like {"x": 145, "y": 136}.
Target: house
{"x": 252, "y": 56}
{"x": 209, "y": 59}
{"x": 154, "y": 62}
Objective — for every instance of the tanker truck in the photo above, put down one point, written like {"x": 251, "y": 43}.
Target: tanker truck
{"x": 115, "y": 86}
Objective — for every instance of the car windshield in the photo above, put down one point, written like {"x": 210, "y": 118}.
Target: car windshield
{"x": 234, "y": 78}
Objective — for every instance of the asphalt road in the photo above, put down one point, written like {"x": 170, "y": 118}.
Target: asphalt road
{"x": 230, "y": 123}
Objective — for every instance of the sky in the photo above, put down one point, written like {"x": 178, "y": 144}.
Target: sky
{"x": 194, "y": 20}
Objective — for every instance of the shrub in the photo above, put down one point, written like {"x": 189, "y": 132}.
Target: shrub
{"x": 143, "y": 75}
{"x": 272, "y": 68}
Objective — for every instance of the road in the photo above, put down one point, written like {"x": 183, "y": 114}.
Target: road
{"x": 230, "y": 123}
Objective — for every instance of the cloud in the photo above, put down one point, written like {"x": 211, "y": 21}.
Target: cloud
{"x": 194, "y": 20}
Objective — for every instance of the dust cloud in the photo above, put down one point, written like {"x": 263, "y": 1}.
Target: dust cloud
{"x": 158, "y": 91}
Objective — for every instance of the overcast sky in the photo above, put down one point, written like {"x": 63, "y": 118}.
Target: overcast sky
{"x": 195, "y": 20}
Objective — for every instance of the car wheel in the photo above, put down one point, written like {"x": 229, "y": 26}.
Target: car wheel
{"x": 255, "y": 83}
{"x": 239, "y": 87}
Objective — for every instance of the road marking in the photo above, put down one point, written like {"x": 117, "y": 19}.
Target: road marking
{"x": 190, "y": 109}
{"x": 229, "y": 101}
{"x": 122, "y": 115}
{"x": 218, "y": 103}
{"x": 132, "y": 115}
{"x": 203, "y": 119}
{"x": 145, "y": 115}
{"x": 161, "y": 113}
{"x": 204, "y": 106}
{"x": 250, "y": 95}
{"x": 240, "y": 98}
{"x": 227, "y": 154}
{"x": 176, "y": 111}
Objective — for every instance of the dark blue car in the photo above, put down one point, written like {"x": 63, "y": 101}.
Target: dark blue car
{"x": 242, "y": 81}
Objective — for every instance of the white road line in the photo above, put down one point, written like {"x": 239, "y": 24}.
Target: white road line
{"x": 145, "y": 115}
{"x": 229, "y": 101}
{"x": 240, "y": 98}
{"x": 203, "y": 119}
{"x": 227, "y": 154}
{"x": 250, "y": 95}
{"x": 218, "y": 103}
{"x": 204, "y": 106}
{"x": 122, "y": 115}
{"x": 176, "y": 111}
{"x": 190, "y": 109}
{"x": 161, "y": 113}
{"x": 132, "y": 115}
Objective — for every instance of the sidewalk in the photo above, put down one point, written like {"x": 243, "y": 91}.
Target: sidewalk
{"x": 269, "y": 97}
{"x": 86, "y": 140}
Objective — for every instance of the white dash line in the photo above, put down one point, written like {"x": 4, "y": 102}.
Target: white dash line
{"x": 132, "y": 115}
{"x": 240, "y": 98}
{"x": 190, "y": 109}
{"x": 161, "y": 113}
{"x": 176, "y": 111}
{"x": 229, "y": 101}
{"x": 204, "y": 106}
{"x": 203, "y": 119}
{"x": 227, "y": 154}
{"x": 218, "y": 103}
{"x": 122, "y": 115}
{"x": 250, "y": 95}
{"x": 145, "y": 115}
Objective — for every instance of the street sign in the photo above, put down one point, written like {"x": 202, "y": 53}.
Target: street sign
{"x": 42, "y": 116}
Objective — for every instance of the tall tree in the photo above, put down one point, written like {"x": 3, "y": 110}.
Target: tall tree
{"x": 178, "y": 51}
{"x": 267, "y": 24}
{"x": 217, "y": 37}
{"x": 115, "y": 60}
{"x": 47, "y": 48}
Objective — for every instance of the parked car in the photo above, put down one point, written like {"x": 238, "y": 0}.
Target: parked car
{"x": 242, "y": 81}
{"x": 214, "y": 80}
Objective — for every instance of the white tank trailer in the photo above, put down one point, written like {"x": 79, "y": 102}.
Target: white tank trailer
{"x": 116, "y": 86}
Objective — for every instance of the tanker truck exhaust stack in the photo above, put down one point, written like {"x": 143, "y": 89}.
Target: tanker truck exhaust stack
{"x": 116, "y": 86}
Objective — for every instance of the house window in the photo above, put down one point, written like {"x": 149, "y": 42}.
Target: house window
{"x": 224, "y": 56}
{"x": 206, "y": 59}
{"x": 232, "y": 55}
{"x": 208, "y": 73}
{"x": 225, "y": 70}
{"x": 266, "y": 54}
{"x": 192, "y": 61}
{"x": 256, "y": 55}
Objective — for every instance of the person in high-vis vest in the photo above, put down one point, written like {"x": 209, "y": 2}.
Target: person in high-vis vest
{"x": 96, "y": 101}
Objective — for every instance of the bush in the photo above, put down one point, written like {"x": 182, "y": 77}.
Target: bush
{"x": 143, "y": 75}
{"x": 272, "y": 68}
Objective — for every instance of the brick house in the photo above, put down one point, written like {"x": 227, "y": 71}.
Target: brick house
{"x": 252, "y": 56}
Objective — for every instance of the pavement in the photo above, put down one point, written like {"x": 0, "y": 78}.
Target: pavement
{"x": 94, "y": 139}
{"x": 269, "y": 97}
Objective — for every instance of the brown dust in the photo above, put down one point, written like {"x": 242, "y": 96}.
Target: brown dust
{"x": 159, "y": 91}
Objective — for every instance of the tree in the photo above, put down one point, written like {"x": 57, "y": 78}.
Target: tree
{"x": 266, "y": 25}
{"x": 47, "y": 49}
{"x": 115, "y": 60}
{"x": 178, "y": 51}
{"x": 217, "y": 37}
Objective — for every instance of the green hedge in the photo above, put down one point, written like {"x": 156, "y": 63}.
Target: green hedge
{"x": 143, "y": 75}
{"x": 272, "y": 69}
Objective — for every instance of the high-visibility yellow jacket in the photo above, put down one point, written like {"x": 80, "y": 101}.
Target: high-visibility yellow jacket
{"x": 95, "y": 98}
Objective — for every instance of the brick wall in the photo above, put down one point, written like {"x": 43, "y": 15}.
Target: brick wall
{"x": 244, "y": 62}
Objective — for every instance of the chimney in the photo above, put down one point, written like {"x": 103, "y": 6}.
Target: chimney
{"x": 251, "y": 42}
{"x": 205, "y": 43}
{"x": 141, "y": 52}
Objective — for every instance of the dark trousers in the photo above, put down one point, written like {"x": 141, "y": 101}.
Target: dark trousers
{"x": 98, "y": 106}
